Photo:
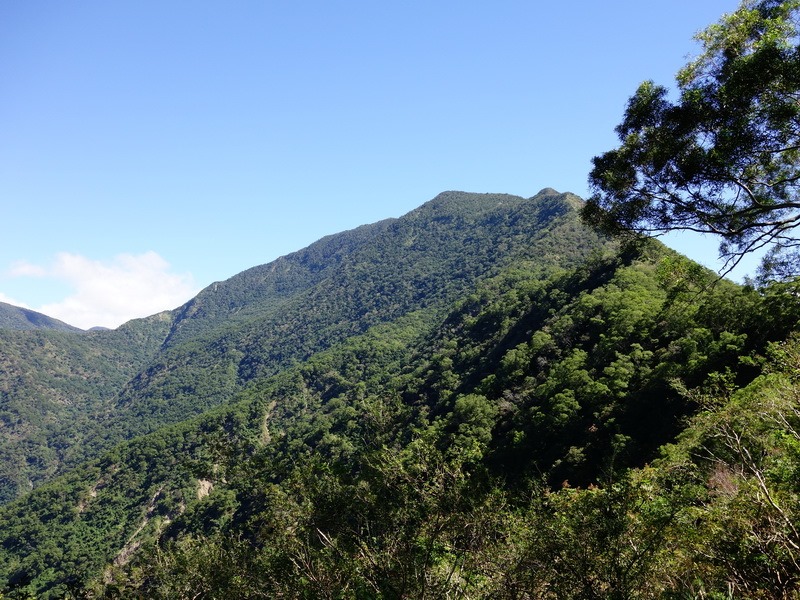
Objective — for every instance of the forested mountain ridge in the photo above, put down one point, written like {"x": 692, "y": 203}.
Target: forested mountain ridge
{"x": 429, "y": 233}
{"x": 258, "y": 322}
{"x": 492, "y": 441}
{"x": 266, "y": 318}
{"x": 16, "y": 317}
{"x": 54, "y": 385}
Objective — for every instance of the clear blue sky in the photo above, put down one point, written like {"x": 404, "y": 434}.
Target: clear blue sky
{"x": 149, "y": 148}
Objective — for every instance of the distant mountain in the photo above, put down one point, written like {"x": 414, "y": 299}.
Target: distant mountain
{"x": 55, "y": 385}
{"x": 16, "y": 317}
{"x": 90, "y": 390}
{"x": 271, "y": 316}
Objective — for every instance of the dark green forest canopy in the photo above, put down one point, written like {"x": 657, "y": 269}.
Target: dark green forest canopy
{"x": 361, "y": 467}
{"x": 89, "y": 391}
{"x": 536, "y": 415}
{"x": 54, "y": 385}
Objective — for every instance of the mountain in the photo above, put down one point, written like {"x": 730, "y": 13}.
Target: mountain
{"x": 271, "y": 316}
{"x": 15, "y": 317}
{"x": 479, "y": 399}
{"x": 55, "y": 385}
{"x": 91, "y": 390}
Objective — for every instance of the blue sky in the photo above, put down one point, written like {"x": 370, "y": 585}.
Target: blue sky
{"x": 151, "y": 148}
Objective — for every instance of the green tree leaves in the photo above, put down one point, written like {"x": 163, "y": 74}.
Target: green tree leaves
{"x": 724, "y": 158}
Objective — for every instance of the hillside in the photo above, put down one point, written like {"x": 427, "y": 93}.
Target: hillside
{"x": 54, "y": 385}
{"x": 271, "y": 316}
{"x": 536, "y": 415}
{"x": 16, "y": 317}
{"x": 87, "y": 392}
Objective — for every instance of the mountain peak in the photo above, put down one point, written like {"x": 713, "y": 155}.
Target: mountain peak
{"x": 548, "y": 191}
{"x": 457, "y": 203}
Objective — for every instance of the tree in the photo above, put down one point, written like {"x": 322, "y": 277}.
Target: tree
{"x": 722, "y": 159}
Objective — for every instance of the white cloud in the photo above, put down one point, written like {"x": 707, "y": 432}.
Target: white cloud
{"x": 109, "y": 293}
{"x": 10, "y": 300}
{"x": 25, "y": 269}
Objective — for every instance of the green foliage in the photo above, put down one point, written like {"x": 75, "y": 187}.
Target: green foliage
{"x": 724, "y": 158}
{"x": 492, "y": 446}
{"x": 65, "y": 398}
{"x": 741, "y": 454}
{"x": 604, "y": 542}
{"x": 267, "y": 318}
{"x": 53, "y": 387}
{"x": 15, "y": 317}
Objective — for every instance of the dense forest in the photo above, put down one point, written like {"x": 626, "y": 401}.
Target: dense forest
{"x": 67, "y": 396}
{"x": 484, "y": 398}
{"x": 559, "y": 416}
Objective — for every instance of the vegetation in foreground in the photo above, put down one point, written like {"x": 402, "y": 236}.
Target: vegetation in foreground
{"x": 620, "y": 430}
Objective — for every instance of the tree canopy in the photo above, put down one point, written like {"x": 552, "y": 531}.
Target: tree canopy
{"x": 724, "y": 157}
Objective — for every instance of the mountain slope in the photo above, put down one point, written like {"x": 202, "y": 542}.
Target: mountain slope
{"x": 54, "y": 385}
{"x": 92, "y": 390}
{"x": 269, "y": 317}
{"x": 424, "y": 455}
{"x": 15, "y": 317}
{"x": 411, "y": 462}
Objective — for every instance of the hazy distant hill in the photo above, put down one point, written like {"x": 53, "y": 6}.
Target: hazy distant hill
{"x": 15, "y": 317}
